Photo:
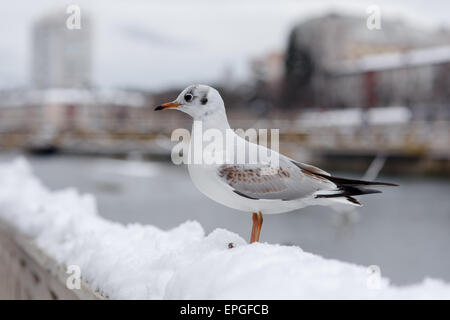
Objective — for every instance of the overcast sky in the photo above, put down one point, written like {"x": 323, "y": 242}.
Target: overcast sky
{"x": 155, "y": 44}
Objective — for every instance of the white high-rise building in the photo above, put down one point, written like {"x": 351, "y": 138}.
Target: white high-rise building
{"x": 61, "y": 56}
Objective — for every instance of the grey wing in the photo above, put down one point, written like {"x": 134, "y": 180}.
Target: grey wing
{"x": 291, "y": 180}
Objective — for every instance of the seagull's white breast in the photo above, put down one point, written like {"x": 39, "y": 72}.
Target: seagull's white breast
{"x": 205, "y": 178}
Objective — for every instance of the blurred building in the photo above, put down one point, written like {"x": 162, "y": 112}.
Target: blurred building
{"x": 76, "y": 110}
{"x": 62, "y": 102}
{"x": 320, "y": 52}
{"x": 267, "y": 75}
{"x": 45, "y": 117}
{"x": 419, "y": 79}
{"x": 61, "y": 57}
{"x": 268, "y": 68}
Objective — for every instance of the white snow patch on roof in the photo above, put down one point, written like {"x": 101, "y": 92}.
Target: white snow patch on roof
{"x": 385, "y": 61}
{"x": 72, "y": 96}
{"x": 355, "y": 117}
{"x": 137, "y": 261}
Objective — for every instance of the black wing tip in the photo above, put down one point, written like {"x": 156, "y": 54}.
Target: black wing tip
{"x": 244, "y": 195}
{"x": 333, "y": 196}
{"x": 356, "y": 182}
{"x": 348, "y": 192}
{"x": 379, "y": 183}
{"x": 338, "y": 180}
{"x": 353, "y": 200}
{"x": 388, "y": 184}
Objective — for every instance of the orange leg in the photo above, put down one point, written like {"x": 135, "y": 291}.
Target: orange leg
{"x": 256, "y": 228}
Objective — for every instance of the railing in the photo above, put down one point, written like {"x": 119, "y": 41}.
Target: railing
{"x": 418, "y": 137}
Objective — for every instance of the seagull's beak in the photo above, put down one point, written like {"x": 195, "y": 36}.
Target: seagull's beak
{"x": 169, "y": 105}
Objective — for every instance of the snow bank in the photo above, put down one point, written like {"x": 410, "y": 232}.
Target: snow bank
{"x": 143, "y": 262}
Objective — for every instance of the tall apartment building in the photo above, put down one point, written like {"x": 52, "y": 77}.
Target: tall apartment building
{"x": 61, "y": 57}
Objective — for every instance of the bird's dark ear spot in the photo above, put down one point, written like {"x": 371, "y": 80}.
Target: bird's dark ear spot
{"x": 204, "y": 100}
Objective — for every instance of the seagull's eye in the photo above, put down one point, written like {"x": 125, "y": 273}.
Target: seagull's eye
{"x": 188, "y": 97}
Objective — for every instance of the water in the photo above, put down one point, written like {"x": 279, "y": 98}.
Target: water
{"x": 405, "y": 230}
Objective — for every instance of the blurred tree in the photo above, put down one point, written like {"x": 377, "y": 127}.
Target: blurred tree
{"x": 299, "y": 71}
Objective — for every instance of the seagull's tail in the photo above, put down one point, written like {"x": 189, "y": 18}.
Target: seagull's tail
{"x": 347, "y": 188}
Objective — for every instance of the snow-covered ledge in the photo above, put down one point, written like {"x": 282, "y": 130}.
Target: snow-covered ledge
{"x": 52, "y": 230}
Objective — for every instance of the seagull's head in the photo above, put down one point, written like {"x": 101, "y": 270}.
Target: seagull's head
{"x": 198, "y": 101}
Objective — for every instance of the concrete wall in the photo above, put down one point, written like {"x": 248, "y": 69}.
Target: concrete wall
{"x": 27, "y": 272}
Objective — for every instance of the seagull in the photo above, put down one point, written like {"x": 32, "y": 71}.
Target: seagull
{"x": 271, "y": 184}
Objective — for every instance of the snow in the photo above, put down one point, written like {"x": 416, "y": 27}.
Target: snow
{"x": 354, "y": 117}
{"x": 117, "y": 97}
{"x": 137, "y": 261}
{"x": 386, "y": 61}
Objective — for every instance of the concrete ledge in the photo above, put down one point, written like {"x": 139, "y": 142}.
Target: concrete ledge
{"x": 27, "y": 272}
